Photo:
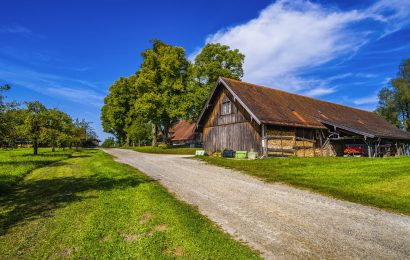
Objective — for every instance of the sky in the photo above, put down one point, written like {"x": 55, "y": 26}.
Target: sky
{"x": 67, "y": 53}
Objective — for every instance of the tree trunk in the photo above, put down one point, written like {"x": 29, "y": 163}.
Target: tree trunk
{"x": 166, "y": 134}
{"x": 53, "y": 148}
{"x": 154, "y": 135}
{"x": 35, "y": 146}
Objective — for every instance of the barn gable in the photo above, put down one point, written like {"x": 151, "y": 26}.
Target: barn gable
{"x": 226, "y": 124}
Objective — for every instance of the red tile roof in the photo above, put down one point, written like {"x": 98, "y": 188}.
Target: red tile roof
{"x": 182, "y": 131}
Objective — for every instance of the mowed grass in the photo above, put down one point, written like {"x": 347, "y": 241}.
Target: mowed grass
{"x": 380, "y": 182}
{"x": 158, "y": 150}
{"x": 16, "y": 163}
{"x": 89, "y": 207}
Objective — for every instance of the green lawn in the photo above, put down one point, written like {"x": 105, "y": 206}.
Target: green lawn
{"x": 88, "y": 206}
{"x": 381, "y": 182}
{"x": 16, "y": 163}
{"x": 152, "y": 149}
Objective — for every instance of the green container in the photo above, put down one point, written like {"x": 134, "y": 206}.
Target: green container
{"x": 241, "y": 154}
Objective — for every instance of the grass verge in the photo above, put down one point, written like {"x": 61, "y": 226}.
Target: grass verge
{"x": 89, "y": 206}
{"x": 380, "y": 182}
{"x": 157, "y": 150}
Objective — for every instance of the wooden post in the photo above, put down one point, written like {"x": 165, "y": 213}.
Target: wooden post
{"x": 264, "y": 141}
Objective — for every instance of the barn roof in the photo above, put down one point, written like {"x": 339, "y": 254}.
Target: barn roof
{"x": 276, "y": 107}
{"x": 182, "y": 131}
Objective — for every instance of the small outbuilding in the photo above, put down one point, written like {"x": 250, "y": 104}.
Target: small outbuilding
{"x": 244, "y": 116}
{"x": 182, "y": 134}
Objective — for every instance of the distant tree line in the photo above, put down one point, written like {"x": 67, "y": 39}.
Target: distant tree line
{"x": 394, "y": 101}
{"x": 166, "y": 88}
{"x": 33, "y": 123}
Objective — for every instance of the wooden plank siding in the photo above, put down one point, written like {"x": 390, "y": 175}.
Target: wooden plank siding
{"x": 234, "y": 131}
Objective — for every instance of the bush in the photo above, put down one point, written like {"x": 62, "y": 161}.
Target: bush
{"x": 163, "y": 146}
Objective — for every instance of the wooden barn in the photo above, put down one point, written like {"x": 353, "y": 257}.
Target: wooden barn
{"x": 241, "y": 116}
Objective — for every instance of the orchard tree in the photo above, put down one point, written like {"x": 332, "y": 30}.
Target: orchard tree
{"x": 35, "y": 121}
{"x": 57, "y": 129}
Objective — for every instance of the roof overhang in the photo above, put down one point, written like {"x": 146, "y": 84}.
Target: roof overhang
{"x": 347, "y": 128}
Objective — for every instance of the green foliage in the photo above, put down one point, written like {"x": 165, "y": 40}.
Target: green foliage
{"x": 90, "y": 207}
{"x": 394, "y": 102}
{"x": 380, "y": 182}
{"x": 163, "y": 146}
{"x": 115, "y": 114}
{"x": 40, "y": 125}
{"x": 7, "y": 119}
{"x": 162, "y": 85}
{"x": 165, "y": 89}
{"x": 214, "y": 61}
{"x": 108, "y": 143}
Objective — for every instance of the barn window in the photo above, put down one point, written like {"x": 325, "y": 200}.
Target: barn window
{"x": 226, "y": 108}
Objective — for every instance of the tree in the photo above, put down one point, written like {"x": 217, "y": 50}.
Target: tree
{"x": 117, "y": 104}
{"x": 35, "y": 120}
{"x": 214, "y": 61}
{"x": 162, "y": 86}
{"x": 7, "y": 118}
{"x": 58, "y": 128}
{"x": 394, "y": 102}
{"x": 84, "y": 132}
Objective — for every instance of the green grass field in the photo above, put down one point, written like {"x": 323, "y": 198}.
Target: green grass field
{"x": 16, "y": 163}
{"x": 87, "y": 206}
{"x": 381, "y": 182}
{"x": 151, "y": 149}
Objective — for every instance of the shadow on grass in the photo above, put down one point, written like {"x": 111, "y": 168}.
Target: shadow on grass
{"x": 39, "y": 198}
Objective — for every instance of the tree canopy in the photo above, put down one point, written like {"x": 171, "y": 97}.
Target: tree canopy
{"x": 165, "y": 89}
{"x": 394, "y": 101}
{"x": 39, "y": 125}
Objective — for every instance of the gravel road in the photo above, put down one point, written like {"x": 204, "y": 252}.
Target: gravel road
{"x": 277, "y": 220}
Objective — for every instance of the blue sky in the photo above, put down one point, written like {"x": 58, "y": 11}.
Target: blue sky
{"x": 67, "y": 53}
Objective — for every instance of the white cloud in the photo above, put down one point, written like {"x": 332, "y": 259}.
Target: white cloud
{"x": 82, "y": 96}
{"x": 373, "y": 99}
{"x": 291, "y": 37}
{"x": 321, "y": 91}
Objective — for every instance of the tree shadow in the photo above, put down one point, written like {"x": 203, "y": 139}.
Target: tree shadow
{"x": 35, "y": 199}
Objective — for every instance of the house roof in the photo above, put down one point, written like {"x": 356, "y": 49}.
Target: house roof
{"x": 182, "y": 131}
{"x": 276, "y": 107}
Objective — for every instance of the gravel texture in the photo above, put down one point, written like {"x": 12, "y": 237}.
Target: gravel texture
{"x": 277, "y": 220}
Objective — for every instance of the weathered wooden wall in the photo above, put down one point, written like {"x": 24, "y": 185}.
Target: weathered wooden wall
{"x": 233, "y": 131}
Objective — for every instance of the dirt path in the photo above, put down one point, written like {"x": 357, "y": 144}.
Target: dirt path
{"x": 277, "y": 220}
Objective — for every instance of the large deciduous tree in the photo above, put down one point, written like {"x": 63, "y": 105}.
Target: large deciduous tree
{"x": 162, "y": 87}
{"x": 117, "y": 105}
{"x": 214, "y": 61}
{"x": 394, "y": 101}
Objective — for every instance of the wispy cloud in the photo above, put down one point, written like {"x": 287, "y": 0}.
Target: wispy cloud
{"x": 289, "y": 38}
{"x": 70, "y": 89}
{"x": 82, "y": 96}
{"x": 373, "y": 99}
{"x": 17, "y": 29}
